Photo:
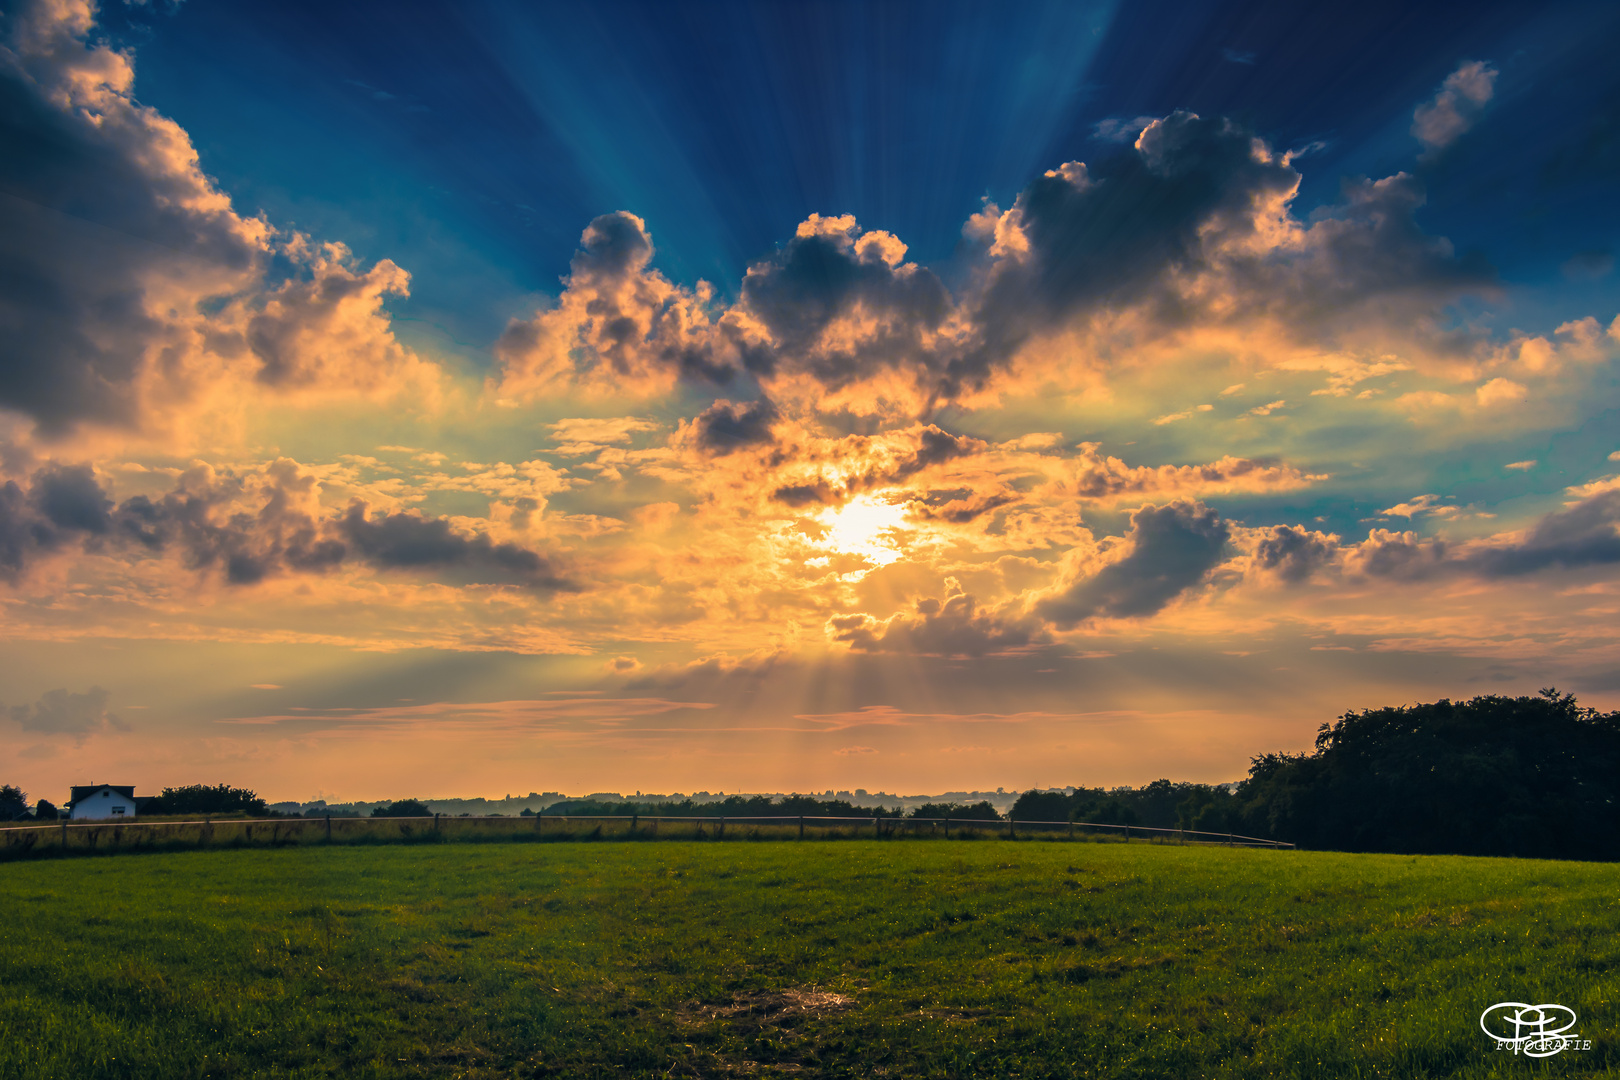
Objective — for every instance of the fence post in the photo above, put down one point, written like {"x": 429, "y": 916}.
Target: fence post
{"x": 64, "y": 833}
{"x": 634, "y": 818}
{"x": 1071, "y": 830}
{"x": 1011, "y": 835}
{"x": 947, "y": 826}
{"x": 1127, "y": 834}
{"x": 876, "y": 824}
{"x": 329, "y": 826}
{"x": 720, "y": 833}
{"x": 801, "y": 826}
{"x": 1229, "y": 840}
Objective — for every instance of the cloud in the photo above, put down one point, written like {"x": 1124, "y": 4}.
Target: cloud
{"x": 1500, "y": 392}
{"x": 135, "y": 292}
{"x": 1109, "y": 479}
{"x": 1521, "y": 466}
{"x": 109, "y": 231}
{"x": 1115, "y": 129}
{"x": 952, "y": 626}
{"x": 250, "y": 528}
{"x": 1295, "y": 554}
{"x": 1421, "y": 504}
{"x": 588, "y": 436}
{"x": 1168, "y": 550}
{"x": 1456, "y": 107}
{"x": 408, "y": 540}
{"x": 328, "y": 328}
{"x": 728, "y": 426}
{"x": 1584, "y": 535}
{"x": 59, "y": 712}
{"x": 1186, "y": 232}
{"x": 619, "y": 327}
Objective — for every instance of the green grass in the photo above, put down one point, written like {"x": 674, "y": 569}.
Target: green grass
{"x": 855, "y": 958}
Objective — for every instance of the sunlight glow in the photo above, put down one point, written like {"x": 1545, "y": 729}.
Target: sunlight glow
{"x": 867, "y": 526}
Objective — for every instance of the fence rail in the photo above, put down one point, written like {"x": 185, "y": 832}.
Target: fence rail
{"x": 115, "y": 835}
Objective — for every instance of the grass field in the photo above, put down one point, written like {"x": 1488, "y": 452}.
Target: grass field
{"x": 855, "y": 958}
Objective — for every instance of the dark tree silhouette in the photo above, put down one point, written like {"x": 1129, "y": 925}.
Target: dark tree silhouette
{"x": 403, "y": 808}
{"x": 202, "y": 799}
{"x": 13, "y": 802}
{"x": 1533, "y": 776}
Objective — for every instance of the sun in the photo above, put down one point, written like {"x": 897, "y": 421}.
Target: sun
{"x": 866, "y": 526}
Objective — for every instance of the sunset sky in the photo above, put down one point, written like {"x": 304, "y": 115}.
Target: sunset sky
{"x": 479, "y": 398}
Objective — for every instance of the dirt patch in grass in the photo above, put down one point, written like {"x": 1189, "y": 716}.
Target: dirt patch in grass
{"x": 773, "y": 1008}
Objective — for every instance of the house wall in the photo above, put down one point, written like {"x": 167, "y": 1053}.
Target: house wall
{"x": 99, "y": 806}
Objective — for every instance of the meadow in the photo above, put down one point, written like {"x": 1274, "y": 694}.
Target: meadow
{"x": 860, "y": 957}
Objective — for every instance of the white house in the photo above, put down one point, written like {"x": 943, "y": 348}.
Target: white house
{"x": 101, "y": 802}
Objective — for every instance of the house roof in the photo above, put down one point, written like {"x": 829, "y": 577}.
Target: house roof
{"x": 84, "y": 791}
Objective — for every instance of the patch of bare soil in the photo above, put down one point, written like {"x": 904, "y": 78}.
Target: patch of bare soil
{"x": 773, "y": 1008}
{"x": 766, "y": 1019}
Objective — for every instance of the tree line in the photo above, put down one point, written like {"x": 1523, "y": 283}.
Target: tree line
{"x": 1532, "y": 776}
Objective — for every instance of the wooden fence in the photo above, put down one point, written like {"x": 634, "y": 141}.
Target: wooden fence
{"x": 106, "y": 836}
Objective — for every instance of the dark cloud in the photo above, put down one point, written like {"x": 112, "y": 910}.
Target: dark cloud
{"x": 831, "y": 273}
{"x": 59, "y": 712}
{"x": 727, "y": 426}
{"x": 70, "y": 497}
{"x": 1294, "y": 553}
{"x": 950, "y": 627}
{"x": 25, "y": 533}
{"x": 287, "y": 533}
{"x": 103, "y": 222}
{"x": 408, "y": 540}
{"x": 1105, "y": 234}
{"x": 819, "y": 493}
{"x": 1583, "y": 535}
{"x": 1168, "y": 550}
{"x": 1404, "y": 556}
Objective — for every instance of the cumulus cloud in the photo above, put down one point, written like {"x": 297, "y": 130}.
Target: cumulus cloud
{"x": 1187, "y": 230}
{"x": 1456, "y": 107}
{"x": 619, "y": 327}
{"x": 1167, "y": 551}
{"x": 132, "y": 285}
{"x": 59, "y": 712}
{"x": 948, "y": 626}
{"x": 1294, "y": 554}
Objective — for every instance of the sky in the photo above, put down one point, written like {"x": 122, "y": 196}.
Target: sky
{"x": 483, "y": 398}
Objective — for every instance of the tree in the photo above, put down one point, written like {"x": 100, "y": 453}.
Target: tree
{"x": 1036, "y": 805}
{"x": 13, "y": 802}
{"x": 403, "y": 808}
{"x": 202, "y": 799}
{"x": 46, "y": 811}
{"x": 1534, "y": 776}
